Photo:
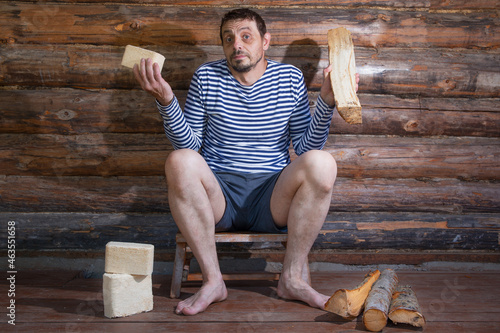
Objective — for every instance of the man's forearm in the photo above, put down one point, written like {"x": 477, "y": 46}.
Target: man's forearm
{"x": 176, "y": 128}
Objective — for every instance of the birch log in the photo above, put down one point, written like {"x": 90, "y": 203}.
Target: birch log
{"x": 343, "y": 74}
{"x": 379, "y": 300}
{"x": 349, "y": 303}
{"x": 405, "y": 309}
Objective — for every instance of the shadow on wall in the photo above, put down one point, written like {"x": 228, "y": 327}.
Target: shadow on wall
{"x": 295, "y": 55}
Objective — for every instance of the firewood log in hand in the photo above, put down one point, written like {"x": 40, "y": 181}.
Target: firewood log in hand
{"x": 343, "y": 75}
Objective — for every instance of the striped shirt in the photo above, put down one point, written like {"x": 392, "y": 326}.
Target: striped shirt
{"x": 247, "y": 128}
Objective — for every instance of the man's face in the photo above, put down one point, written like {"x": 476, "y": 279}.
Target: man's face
{"x": 243, "y": 46}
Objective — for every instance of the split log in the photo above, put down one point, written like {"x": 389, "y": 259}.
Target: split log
{"x": 405, "y": 308}
{"x": 349, "y": 303}
{"x": 343, "y": 74}
{"x": 379, "y": 300}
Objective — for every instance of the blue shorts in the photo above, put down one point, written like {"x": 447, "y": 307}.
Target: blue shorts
{"x": 248, "y": 201}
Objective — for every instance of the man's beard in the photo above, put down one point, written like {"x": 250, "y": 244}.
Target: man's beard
{"x": 242, "y": 68}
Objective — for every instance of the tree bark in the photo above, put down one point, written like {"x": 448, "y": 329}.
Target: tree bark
{"x": 405, "y": 308}
{"x": 379, "y": 300}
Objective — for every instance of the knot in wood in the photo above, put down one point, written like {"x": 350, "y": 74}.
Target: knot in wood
{"x": 384, "y": 17}
{"x": 447, "y": 84}
{"x": 9, "y": 40}
{"x": 66, "y": 114}
{"x": 136, "y": 25}
{"x": 411, "y": 126}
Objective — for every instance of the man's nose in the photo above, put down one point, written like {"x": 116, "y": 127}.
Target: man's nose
{"x": 237, "y": 43}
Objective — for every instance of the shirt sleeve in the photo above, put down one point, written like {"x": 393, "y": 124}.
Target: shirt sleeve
{"x": 309, "y": 132}
{"x": 185, "y": 129}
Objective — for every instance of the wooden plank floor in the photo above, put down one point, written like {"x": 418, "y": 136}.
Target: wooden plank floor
{"x": 66, "y": 302}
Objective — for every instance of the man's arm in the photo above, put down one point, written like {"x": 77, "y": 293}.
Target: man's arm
{"x": 326, "y": 92}
{"x": 178, "y": 130}
{"x": 316, "y": 134}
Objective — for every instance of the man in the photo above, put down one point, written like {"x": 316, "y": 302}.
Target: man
{"x": 243, "y": 112}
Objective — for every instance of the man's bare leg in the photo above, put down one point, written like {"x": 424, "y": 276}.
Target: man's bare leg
{"x": 301, "y": 200}
{"x": 197, "y": 203}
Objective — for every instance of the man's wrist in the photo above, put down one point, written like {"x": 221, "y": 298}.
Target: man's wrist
{"x": 163, "y": 102}
{"x": 326, "y": 103}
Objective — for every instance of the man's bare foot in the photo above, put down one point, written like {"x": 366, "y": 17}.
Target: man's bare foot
{"x": 300, "y": 290}
{"x": 209, "y": 293}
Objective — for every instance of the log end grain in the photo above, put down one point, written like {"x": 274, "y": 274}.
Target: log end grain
{"x": 374, "y": 320}
{"x": 338, "y": 303}
{"x": 404, "y": 316}
{"x": 351, "y": 113}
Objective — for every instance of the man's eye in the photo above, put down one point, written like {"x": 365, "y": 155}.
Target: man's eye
{"x": 229, "y": 39}
{"x": 246, "y": 36}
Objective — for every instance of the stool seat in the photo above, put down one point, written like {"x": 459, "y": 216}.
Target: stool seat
{"x": 182, "y": 262}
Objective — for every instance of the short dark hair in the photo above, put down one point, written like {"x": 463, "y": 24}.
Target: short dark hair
{"x": 244, "y": 14}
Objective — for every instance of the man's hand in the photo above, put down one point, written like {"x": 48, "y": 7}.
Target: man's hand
{"x": 150, "y": 79}
{"x": 326, "y": 92}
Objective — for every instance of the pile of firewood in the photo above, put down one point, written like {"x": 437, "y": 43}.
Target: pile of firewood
{"x": 381, "y": 298}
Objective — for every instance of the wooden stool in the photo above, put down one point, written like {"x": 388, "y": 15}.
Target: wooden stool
{"x": 181, "y": 263}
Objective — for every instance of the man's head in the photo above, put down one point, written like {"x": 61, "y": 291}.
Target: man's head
{"x": 244, "y": 40}
{"x": 244, "y": 14}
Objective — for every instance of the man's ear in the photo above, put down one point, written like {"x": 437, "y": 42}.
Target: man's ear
{"x": 267, "y": 40}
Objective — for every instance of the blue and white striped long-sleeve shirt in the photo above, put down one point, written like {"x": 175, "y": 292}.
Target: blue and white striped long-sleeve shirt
{"x": 247, "y": 128}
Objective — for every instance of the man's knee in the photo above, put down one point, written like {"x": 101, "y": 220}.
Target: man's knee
{"x": 320, "y": 161}
{"x": 320, "y": 157}
{"x": 180, "y": 162}
{"x": 321, "y": 167}
{"x": 181, "y": 158}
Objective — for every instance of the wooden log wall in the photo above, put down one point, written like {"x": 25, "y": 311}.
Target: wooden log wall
{"x": 82, "y": 148}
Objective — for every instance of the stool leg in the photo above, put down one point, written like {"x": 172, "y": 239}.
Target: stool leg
{"x": 187, "y": 264}
{"x": 180, "y": 257}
